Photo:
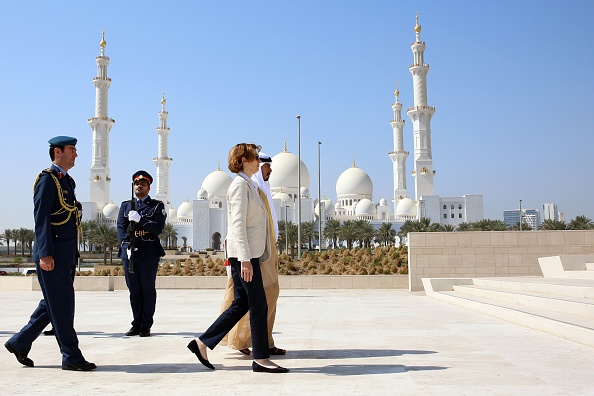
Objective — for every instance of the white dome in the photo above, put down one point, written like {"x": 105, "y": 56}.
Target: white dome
{"x": 284, "y": 173}
{"x": 338, "y": 206}
{"x": 365, "y": 207}
{"x": 304, "y": 192}
{"x": 217, "y": 183}
{"x": 354, "y": 181}
{"x": 285, "y": 199}
{"x": 111, "y": 211}
{"x": 172, "y": 215}
{"x": 202, "y": 194}
{"x": 406, "y": 207}
{"x": 328, "y": 208}
{"x": 185, "y": 210}
{"x": 383, "y": 202}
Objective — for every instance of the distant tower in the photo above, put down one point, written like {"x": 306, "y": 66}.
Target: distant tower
{"x": 101, "y": 125}
{"x": 162, "y": 161}
{"x": 421, "y": 114}
{"x": 398, "y": 156}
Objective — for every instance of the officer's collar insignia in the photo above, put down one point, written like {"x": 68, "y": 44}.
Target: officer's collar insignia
{"x": 60, "y": 175}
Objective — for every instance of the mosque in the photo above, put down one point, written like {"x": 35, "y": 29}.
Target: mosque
{"x": 202, "y": 222}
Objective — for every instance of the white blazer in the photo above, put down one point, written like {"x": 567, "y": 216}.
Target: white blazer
{"x": 247, "y": 222}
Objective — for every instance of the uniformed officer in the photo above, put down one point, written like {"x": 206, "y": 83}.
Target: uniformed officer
{"x": 57, "y": 220}
{"x": 142, "y": 224}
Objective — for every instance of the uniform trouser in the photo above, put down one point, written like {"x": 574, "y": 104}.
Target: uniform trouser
{"x": 248, "y": 296}
{"x": 56, "y": 307}
{"x": 143, "y": 294}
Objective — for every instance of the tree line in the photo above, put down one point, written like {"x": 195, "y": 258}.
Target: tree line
{"x": 22, "y": 236}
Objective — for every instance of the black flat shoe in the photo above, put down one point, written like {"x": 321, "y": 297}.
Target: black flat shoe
{"x": 261, "y": 369}
{"x": 22, "y": 359}
{"x": 82, "y": 366}
{"x": 134, "y": 331}
{"x": 193, "y": 346}
{"x": 145, "y": 332}
{"x": 49, "y": 332}
{"x": 246, "y": 351}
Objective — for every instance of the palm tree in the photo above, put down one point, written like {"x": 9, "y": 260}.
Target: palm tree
{"x": 516, "y": 227}
{"x": 365, "y": 232}
{"x": 385, "y": 234}
{"x": 421, "y": 225}
{"x": 464, "y": 226}
{"x": 21, "y": 236}
{"x": 168, "y": 236}
{"x": 332, "y": 230}
{"x": 580, "y": 223}
{"x": 281, "y": 242}
{"x": 88, "y": 227}
{"x": 308, "y": 232}
{"x": 106, "y": 236}
{"x": 29, "y": 238}
{"x": 448, "y": 228}
{"x": 348, "y": 232}
{"x": 549, "y": 224}
{"x": 292, "y": 231}
{"x": 8, "y": 236}
{"x": 499, "y": 225}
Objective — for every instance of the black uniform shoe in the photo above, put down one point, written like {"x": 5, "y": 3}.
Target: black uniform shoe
{"x": 145, "y": 332}
{"x": 134, "y": 331}
{"x": 23, "y": 359}
{"x": 261, "y": 369}
{"x": 50, "y": 332}
{"x": 82, "y": 366}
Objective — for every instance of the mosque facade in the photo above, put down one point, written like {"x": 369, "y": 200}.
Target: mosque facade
{"x": 202, "y": 222}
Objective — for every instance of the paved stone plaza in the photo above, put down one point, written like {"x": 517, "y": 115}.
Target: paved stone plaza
{"x": 340, "y": 342}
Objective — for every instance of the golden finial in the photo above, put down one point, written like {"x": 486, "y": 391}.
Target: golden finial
{"x": 285, "y": 146}
{"x": 281, "y": 188}
{"x": 219, "y": 165}
{"x": 396, "y": 92}
{"x": 163, "y": 101}
{"x": 417, "y": 26}
{"x": 103, "y": 43}
{"x": 354, "y": 166}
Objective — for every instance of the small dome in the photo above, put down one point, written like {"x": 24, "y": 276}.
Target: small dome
{"x": 111, "y": 211}
{"x": 172, "y": 215}
{"x": 185, "y": 210}
{"x": 383, "y": 202}
{"x": 304, "y": 192}
{"x": 365, "y": 207}
{"x": 406, "y": 207}
{"x": 354, "y": 181}
{"x": 217, "y": 183}
{"x": 328, "y": 208}
{"x": 202, "y": 194}
{"x": 284, "y": 197}
{"x": 338, "y": 206}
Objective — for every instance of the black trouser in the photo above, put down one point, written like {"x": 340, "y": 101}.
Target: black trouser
{"x": 143, "y": 294}
{"x": 248, "y": 296}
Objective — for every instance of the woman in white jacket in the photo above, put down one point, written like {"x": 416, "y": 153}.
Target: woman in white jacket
{"x": 248, "y": 243}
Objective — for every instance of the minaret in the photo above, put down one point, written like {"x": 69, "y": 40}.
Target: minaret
{"x": 398, "y": 156}
{"x": 101, "y": 125}
{"x": 421, "y": 114}
{"x": 162, "y": 161}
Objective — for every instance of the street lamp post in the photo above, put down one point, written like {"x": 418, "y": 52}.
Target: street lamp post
{"x": 286, "y": 230}
{"x": 520, "y": 215}
{"x": 319, "y": 201}
{"x": 298, "y": 187}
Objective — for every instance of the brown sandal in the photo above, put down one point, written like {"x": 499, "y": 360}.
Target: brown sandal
{"x": 246, "y": 351}
{"x": 277, "y": 351}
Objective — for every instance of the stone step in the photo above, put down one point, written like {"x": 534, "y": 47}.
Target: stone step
{"x": 575, "y": 288}
{"x": 581, "y": 307}
{"x": 571, "y": 327}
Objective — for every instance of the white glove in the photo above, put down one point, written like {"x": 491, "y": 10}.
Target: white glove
{"x": 129, "y": 253}
{"x": 134, "y": 216}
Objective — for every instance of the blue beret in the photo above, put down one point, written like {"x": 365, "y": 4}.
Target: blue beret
{"x": 142, "y": 175}
{"x": 62, "y": 141}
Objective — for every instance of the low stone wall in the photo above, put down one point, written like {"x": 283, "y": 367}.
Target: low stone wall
{"x": 110, "y": 283}
{"x": 488, "y": 253}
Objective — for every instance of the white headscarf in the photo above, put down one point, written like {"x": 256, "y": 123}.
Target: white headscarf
{"x": 264, "y": 186}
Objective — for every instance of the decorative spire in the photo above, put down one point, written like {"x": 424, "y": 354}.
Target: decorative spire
{"x": 285, "y": 146}
{"x": 219, "y": 165}
{"x": 396, "y": 92}
{"x": 418, "y": 29}
{"x": 163, "y": 101}
{"x": 103, "y": 43}
{"x": 354, "y": 166}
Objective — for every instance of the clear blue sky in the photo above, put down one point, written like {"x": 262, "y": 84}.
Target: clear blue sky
{"x": 512, "y": 82}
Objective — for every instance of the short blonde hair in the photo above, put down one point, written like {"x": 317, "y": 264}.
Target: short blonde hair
{"x": 249, "y": 151}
